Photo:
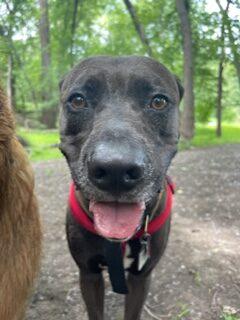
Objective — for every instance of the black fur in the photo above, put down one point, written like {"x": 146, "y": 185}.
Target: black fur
{"x": 118, "y": 120}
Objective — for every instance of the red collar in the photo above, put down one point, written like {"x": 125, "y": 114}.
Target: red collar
{"x": 154, "y": 225}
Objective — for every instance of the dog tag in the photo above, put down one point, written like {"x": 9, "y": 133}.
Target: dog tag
{"x": 144, "y": 253}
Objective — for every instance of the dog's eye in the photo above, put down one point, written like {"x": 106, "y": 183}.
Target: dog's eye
{"x": 77, "y": 101}
{"x": 159, "y": 102}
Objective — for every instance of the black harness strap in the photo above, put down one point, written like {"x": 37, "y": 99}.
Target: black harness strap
{"x": 114, "y": 259}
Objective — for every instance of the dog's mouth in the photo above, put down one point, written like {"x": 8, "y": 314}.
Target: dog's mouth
{"x": 117, "y": 221}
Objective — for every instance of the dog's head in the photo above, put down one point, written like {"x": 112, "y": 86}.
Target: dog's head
{"x": 119, "y": 132}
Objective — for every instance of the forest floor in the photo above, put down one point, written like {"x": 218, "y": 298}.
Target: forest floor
{"x": 198, "y": 277}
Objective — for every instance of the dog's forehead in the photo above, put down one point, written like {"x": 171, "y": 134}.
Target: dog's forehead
{"x": 116, "y": 70}
{"x": 127, "y": 63}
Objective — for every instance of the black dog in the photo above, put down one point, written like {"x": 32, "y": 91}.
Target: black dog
{"x": 119, "y": 132}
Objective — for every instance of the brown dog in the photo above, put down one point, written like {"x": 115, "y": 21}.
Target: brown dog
{"x": 20, "y": 232}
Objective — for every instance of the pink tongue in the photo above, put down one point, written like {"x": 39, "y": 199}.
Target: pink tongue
{"x": 116, "y": 220}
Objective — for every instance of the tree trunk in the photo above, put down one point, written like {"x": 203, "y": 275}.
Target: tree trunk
{"x": 45, "y": 49}
{"x": 220, "y": 69}
{"x": 6, "y": 32}
{"x": 219, "y": 99}
{"x": 236, "y": 56}
{"x": 10, "y": 82}
{"x": 138, "y": 26}
{"x": 49, "y": 114}
{"x": 73, "y": 27}
{"x": 227, "y": 22}
{"x": 19, "y": 62}
{"x": 187, "y": 119}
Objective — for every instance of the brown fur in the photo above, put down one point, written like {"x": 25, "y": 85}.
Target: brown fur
{"x": 20, "y": 232}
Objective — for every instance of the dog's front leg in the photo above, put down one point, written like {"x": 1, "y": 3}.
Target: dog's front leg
{"x": 92, "y": 287}
{"x": 138, "y": 289}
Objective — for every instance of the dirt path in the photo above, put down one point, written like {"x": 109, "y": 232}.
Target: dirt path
{"x": 199, "y": 274}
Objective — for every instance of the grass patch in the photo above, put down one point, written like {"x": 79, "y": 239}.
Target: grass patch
{"x": 183, "y": 312}
{"x": 230, "y": 313}
{"x": 205, "y": 136}
{"x": 39, "y": 137}
{"x": 229, "y": 317}
{"x": 42, "y": 141}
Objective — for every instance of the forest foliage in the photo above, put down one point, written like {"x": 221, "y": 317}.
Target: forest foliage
{"x": 80, "y": 28}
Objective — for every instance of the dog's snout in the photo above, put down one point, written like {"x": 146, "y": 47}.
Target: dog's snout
{"x": 116, "y": 172}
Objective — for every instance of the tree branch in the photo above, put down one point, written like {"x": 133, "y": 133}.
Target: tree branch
{"x": 138, "y": 26}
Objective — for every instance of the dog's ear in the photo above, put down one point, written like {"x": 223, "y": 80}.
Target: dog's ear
{"x": 61, "y": 83}
{"x": 64, "y": 77}
{"x": 180, "y": 87}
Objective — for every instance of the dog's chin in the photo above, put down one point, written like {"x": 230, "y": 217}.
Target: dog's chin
{"x": 120, "y": 240}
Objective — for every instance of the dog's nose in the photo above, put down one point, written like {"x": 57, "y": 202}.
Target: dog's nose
{"x": 114, "y": 176}
{"x": 116, "y": 173}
